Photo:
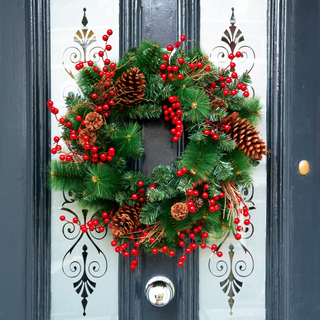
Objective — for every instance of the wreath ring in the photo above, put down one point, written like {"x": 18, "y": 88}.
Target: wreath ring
{"x": 195, "y": 196}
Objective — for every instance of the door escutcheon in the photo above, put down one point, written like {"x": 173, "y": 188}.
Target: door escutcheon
{"x": 304, "y": 167}
{"x": 159, "y": 291}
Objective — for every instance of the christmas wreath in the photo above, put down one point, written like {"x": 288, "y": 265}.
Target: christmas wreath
{"x": 199, "y": 193}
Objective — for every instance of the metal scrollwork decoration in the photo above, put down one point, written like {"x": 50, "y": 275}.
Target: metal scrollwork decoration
{"x": 82, "y": 269}
{"x": 233, "y": 270}
{"x": 233, "y": 37}
{"x": 84, "y": 38}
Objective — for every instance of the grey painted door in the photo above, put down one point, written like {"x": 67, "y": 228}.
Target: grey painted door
{"x": 293, "y": 255}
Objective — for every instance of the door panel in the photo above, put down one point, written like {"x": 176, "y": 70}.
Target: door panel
{"x": 234, "y": 286}
{"x": 292, "y": 249}
{"x": 83, "y": 266}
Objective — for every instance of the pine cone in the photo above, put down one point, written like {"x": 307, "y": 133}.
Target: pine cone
{"x": 129, "y": 88}
{"x": 126, "y": 220}
{"x": 179, "y": 211}
{"x": 198, "y": 203}
{"x": 214, "y": 102}
{"x": 246, "y": 136}
{"x": 93, "y": 121}
{"x": 92, "y": 137}
{"x": 218, "y": 103}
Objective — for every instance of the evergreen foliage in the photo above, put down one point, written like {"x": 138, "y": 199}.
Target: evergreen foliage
{"x": 104, "y": 183}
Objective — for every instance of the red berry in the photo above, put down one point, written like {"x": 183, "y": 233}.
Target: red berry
{"x": 152, "y": 186}
{"x": 222, "y": 84}
{"x": 207, "y": 68}
{"x": 181, "y": 243}
{"x": 171, "y": 253}
{"x": 75, "y": 220}
{"x": 62, "y": 218}
{"x": 214, "y": 247}
{"x": 190, "y": 192}
{"x": 188, "y": 250}
{"x": 180, "y": 61}
{"x": 183, "y": 38}
{"x": 175, "y": 139}
{"x": 206, "y": 132}
{"x": 246, "y": 94}
{"x": 205, "y": 235}
{"x": 192, "y": 65}
{"x": 238, "y": 54}
{"x": 177, "y": 44}
{"x": 192, "y": 235}
{"x": 233, "y": 92}
{"x": 231, "y": 56}
{"x": 165, "y": 57}
{"x": 228, "y": 80}
{"x": 194, "y": 246}
{"x": 225, "y": 92}
{"x": 246, "y": 222}
{"x": 219, "y": 254}
{"x": 108, "y": 47}
{"x": 215, "y": 137}
{"x": 182, "y": 235}
{"x": 212, "y": 209}
{"x": 239, "y": 228}
{"x": 216, "y": 207}
{"x": 179, "y": 76}
{"x": 175, "y": 68}
{"x": 205, "y": 195}
{"x": 109, "y": 32}
{"x": 203, "y": 245}
{"x": 236, "y": 220}
{"x": 243, "y": 87}
{"x": 134, "y": 196}
{"x": 62, "y": 157}
{"x": 232, "y": 64}
{"x": 62, "y": 120}
{"x": 101, "y": 229}
{"x": 106, "y": 62}
{"x": 179, "y": 173}
{"x": 237, "y": 236}
{"x": 113, "y": 65}
{"x": 134, "y": 262}
{"x": 137, "y": 244}
{"x": 169, "y": 47}
{"x": 105, "y": 37}
{"x": 132, "y": 267}
{"x": 165, "y": 248}
{"x": 199, "y": 64}
{"x": 140, "y": 183}
{"x": 180, "y": 263}
{"x": 234, "y": 75}
{"x": 192, "y": 209}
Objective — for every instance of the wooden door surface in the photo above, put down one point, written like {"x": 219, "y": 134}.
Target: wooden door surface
{"x": 293, "y": 135}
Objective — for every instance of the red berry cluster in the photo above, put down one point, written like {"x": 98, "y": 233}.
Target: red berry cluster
{"x": 229, "y": 85}
{"x": 247, "y": 216}
{"x": 211, "y": 128}
{"x": 193, "y": 246}
{"x": 175, "y": 113}
{"x": 108, "y": 73}
{"x": 141, "y": 195}
{"x": 95, "y": 224}
{"x": 169, "y": 72}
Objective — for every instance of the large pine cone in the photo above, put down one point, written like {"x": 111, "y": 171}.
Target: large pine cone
{"x": 126, "y": 220}
{"x": 93, "y": 121}
{"x": 179, "y": 211}
{"x": 246, "y": 136}
{"x": 129, "y": 88}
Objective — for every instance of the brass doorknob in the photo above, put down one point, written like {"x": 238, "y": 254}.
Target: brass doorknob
{"x": 304, "y": 167}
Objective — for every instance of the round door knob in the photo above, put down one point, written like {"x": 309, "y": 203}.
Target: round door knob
{"x": 304, "y": 167}
{"x": 159, "y": 291}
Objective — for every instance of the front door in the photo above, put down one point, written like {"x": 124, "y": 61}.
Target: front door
{"x": 290, "y": 261}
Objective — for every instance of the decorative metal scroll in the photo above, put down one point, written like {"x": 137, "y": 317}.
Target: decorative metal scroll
{"x": 83, "y": 50}
{"x": 233, "y": 269}
{"x": 84, "y": 269}
{"x": 233, "y": 37}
